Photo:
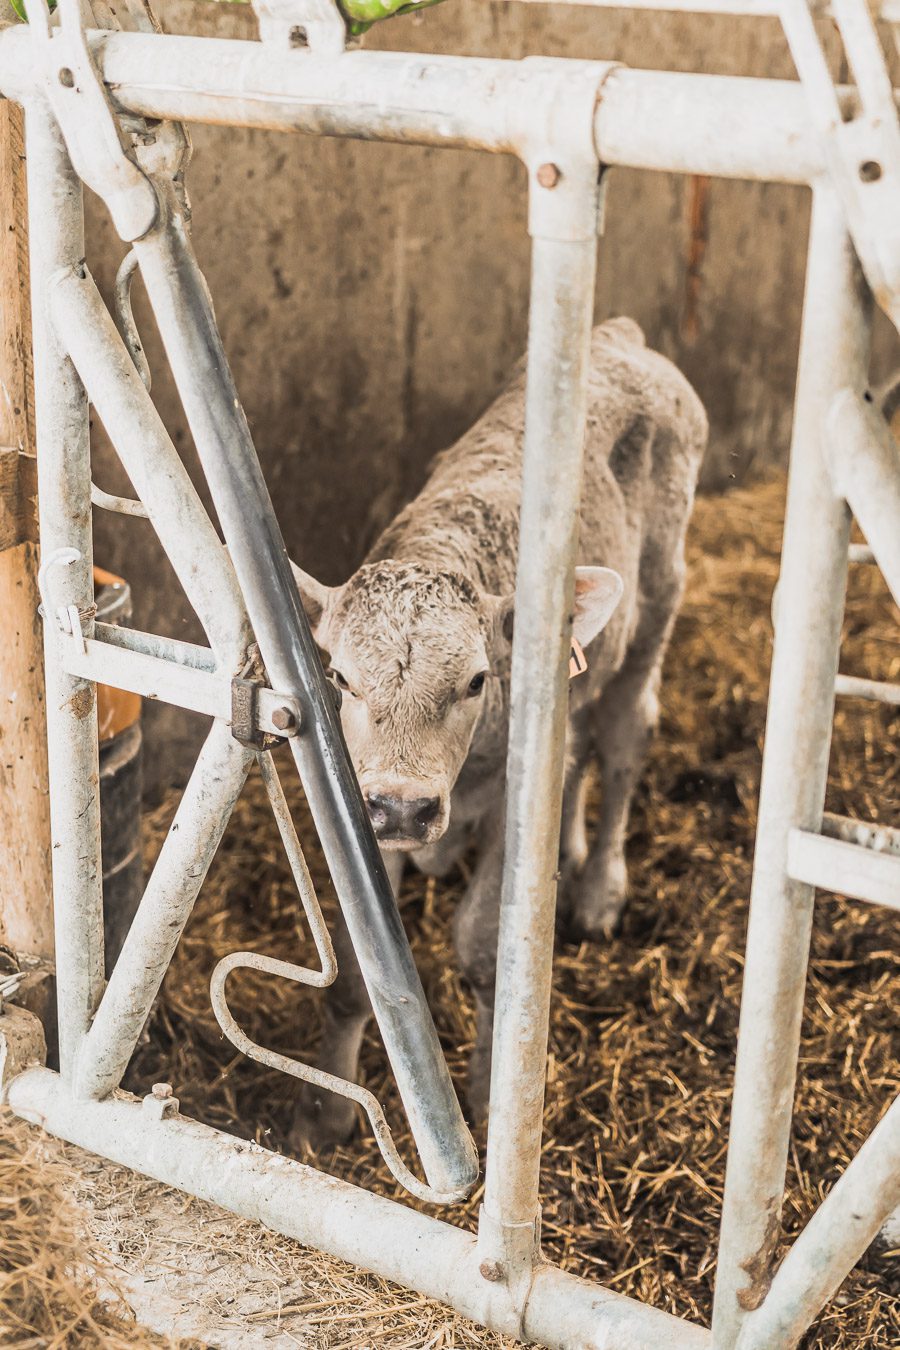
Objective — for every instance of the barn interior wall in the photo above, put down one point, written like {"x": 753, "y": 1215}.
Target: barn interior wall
{"x": 372, "y": 298}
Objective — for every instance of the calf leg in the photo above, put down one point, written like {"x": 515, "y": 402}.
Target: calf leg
{"x": 327, "y": 1119}
{"x": 573, "y": 838}
{"x": 475, "y": 931}
{"x": 628, "y": 717}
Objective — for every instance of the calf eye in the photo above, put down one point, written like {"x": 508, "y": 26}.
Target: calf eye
{"x": 476, "y": 684}
{"x": 339, "y": 680}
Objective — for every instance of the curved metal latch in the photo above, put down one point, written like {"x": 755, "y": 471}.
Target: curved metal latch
{"x": 318, "y": 979}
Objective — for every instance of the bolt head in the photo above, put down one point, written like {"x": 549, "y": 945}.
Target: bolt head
{"x": 492, "y": 1271}
{"x": 283, "y": 719}
{"x": 548, "y": 175}
{"x": 162, "y": 1091}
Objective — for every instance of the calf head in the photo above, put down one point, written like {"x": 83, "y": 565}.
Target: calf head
{"x": 417, "y": 654}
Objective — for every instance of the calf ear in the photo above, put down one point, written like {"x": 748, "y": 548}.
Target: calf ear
{"x": 501, "y": 609}
{"x": 313, "y": 595}
{"x": 597, "y": 592}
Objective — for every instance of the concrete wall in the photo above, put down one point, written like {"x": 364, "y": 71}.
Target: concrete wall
{"x": 372, "y": 298}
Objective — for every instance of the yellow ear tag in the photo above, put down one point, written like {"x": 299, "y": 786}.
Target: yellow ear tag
{"x": 577, "y": 660}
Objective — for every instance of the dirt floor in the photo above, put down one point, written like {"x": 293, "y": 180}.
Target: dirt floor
{"x": 643, "y": 1030}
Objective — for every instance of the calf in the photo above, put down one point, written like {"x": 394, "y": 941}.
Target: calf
{"x": 419, "y": 639}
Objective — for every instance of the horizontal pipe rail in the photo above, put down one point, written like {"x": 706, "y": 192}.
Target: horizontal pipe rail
{"x": 426, "y": 1254}
{"x": 153, "y": 644}
{"x": 699, "y": 124}
{"x": 845, "y": 868}
{"x": 874, "y": 691}
{"x": 168, "y": 681}
{"x": 889, "y": 10}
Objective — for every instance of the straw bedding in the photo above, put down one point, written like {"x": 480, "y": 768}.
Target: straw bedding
{"x": 57, "y": 1285}
{"x": 643, "y": 1029}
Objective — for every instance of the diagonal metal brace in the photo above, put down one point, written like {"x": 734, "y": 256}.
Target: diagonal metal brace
{"x": 862, "y": 150}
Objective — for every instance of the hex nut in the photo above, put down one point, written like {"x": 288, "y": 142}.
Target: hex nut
{"x": 283, "y": 719}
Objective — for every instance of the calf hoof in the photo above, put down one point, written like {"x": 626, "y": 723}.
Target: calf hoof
{"x": 593, "y": 907}
{"x": 325, "y": 1120}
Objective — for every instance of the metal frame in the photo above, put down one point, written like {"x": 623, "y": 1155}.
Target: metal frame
{"x": 573, "y": 116}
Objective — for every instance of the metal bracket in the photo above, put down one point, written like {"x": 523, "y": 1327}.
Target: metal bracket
{"x": 245, "y": 716}
{"x": 99, "y": 149}
{"x": 115, "y": 156}
{"x": 67, "y": 618}
{"x": 862, "y": 150}
{"x": 316, "y": 24}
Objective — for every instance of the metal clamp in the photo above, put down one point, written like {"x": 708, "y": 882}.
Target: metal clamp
{"x": 98, "y": 147}
{"x": 318, "y": 979}
{"x": 245, "y": 716}
{"x": 68, "y": 617}
{"x": 116, "y": 157}
{"x": 316, "y": 24}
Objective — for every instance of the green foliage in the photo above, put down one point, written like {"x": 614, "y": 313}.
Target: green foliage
{"x": 19, "y": 7}
{"x": 360, "y": 14}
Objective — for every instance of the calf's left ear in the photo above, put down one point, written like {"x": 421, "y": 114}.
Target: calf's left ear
{"x": 597, "y": 592}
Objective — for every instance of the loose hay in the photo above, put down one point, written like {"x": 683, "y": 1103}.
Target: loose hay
{"x": 57, "y": 1289}
{"x": 643, "y": 1029}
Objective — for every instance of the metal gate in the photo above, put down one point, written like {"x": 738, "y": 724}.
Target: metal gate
{"x": 105, "y": 107}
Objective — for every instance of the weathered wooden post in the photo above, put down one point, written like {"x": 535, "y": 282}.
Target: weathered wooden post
{"x": 26, "y": 913}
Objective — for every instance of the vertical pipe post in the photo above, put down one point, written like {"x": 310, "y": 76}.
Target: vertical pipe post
{"x": 559, "y": 343}
{"x": 809, "y": 611}
{"x": 64, "y": 477}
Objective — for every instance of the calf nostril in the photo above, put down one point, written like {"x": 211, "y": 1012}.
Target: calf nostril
{"x": 427, "y": 810}
{"x": 379, "y": 810}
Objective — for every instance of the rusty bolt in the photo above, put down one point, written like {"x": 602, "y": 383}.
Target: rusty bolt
{"x": 283, "y": 719}
{"x": 548, "y": 175}
{"x": 492, "y": 1270}
{"x": 162, "y": 1091}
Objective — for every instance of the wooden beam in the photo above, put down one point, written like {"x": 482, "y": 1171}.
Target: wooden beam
{"x": 26, "y": 911}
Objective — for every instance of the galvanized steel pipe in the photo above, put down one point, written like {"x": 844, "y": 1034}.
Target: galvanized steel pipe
{"x": 687, "y": 123}
{"x": 381, "y": 1235}
{"x": 832, "y": 1242}
{"x": 562, "y": 299}
{"x": 56, "y": 240}
{"x": 833, "y": 353}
